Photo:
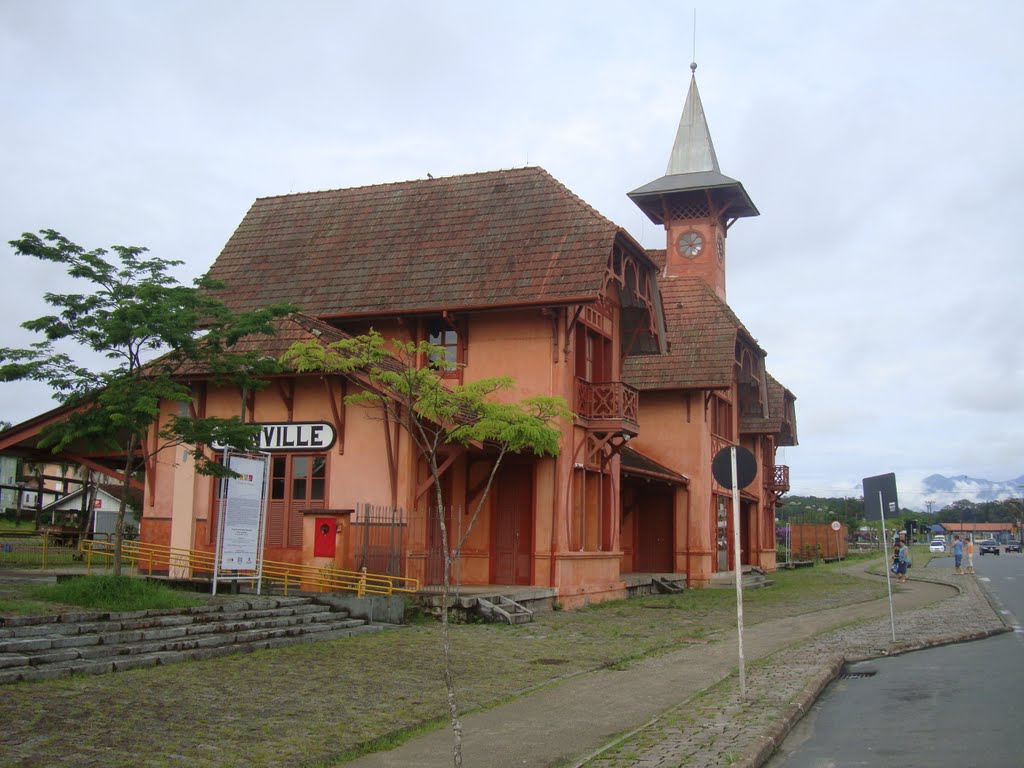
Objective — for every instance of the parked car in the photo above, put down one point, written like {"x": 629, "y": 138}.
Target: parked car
{"x": 990, "y": 546}
{"x": 1013, "y": 546}
{"x": 937, "y": 545}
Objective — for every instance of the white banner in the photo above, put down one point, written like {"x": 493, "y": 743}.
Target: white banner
{"x": 243, "y": 515}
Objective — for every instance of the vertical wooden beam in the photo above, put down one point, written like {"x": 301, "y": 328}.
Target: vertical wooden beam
{"x": 336, "y": 398}
{"x": 287, "y": 393}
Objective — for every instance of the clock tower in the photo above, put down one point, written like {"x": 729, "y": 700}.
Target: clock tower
{"x": 693, "y": 200}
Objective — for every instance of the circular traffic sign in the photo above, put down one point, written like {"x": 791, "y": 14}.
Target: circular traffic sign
{"x": 746, "y": 467}
{"x": 835, "y": 525}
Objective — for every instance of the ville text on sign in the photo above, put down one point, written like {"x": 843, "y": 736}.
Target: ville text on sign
{"x": 293, "y": 436}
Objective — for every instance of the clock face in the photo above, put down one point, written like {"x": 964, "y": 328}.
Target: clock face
{"x": 690, "y": 244}
{"x": 721, "y": 249}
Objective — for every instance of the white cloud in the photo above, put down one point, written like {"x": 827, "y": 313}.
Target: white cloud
{"x": 879, "y": 142}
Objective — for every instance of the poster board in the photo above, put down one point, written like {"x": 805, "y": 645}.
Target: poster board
{"x": 240, "y": 520}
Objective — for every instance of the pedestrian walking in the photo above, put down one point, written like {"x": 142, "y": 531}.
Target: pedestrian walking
{"x": 970, "y": 555}
{"x": 902, "y": 561}
{"x": 958, "y": 555}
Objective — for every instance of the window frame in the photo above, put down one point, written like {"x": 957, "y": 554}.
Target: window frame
{"x": 452, "y": 337}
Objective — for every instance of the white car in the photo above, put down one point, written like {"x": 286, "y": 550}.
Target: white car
{"x": 937, "y": 545}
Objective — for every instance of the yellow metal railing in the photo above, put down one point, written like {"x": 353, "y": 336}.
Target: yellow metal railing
{"x": 147, "y": 557}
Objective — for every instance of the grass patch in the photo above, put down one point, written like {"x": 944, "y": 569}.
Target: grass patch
{"x": 6, "y": 524}
{"x": 23, "y": 607}
{"x": 114, "y": 593}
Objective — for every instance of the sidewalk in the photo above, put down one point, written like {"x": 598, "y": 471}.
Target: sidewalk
{"x": 652, "y": 714}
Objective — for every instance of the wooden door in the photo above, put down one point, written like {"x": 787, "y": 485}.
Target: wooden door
{"x": 654, "y": 533}
{"x": 512, "y": 525}
{"x": 746, "y": 532}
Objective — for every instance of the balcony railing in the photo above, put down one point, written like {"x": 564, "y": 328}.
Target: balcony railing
{"x": 608, "y": 405}
{"x": 779, "y": 481}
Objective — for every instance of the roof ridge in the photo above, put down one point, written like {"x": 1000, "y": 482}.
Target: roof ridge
{"x": 428, "y": 180}
{"x": 584, "y": 204}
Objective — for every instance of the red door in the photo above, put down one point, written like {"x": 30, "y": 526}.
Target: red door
{"x": 746, "y": 533}
{"x": 513, "y": 525}
{"x": 654, "y": 533}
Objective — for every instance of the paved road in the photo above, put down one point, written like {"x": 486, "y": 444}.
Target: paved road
{"x": 952, "y": 706}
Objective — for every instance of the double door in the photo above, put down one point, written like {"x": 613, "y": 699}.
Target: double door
{"x": 512, "y": 525}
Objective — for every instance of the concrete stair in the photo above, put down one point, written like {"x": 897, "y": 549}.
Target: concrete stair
{"x": 49, "y": 647}
{"x": 501, "y": 608}
{"x": 753, "y": 578}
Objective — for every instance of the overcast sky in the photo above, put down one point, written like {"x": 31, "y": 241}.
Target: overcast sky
{"x": 881, "y": 142}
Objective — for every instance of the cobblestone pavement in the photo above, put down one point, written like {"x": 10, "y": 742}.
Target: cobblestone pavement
{"x": 716, "y": 728}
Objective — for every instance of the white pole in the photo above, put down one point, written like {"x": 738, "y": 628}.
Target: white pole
{"x": 739, "y": 571}
{"x": 888, "y": 572}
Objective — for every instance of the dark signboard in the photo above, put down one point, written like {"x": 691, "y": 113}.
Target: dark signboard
{"x": 746, "y": 467}
{"x": 880, "y": 490}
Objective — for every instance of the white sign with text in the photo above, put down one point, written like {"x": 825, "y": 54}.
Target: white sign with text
{"x": 293, "y": 436}
{"x": 243, "y": 515}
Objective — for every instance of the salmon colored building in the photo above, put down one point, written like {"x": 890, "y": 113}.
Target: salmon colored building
{"x": 516, "y": 276}
{"x": 711, "y": 389}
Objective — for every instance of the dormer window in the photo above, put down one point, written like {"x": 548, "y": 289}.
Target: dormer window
{"x": 451, "y": 356}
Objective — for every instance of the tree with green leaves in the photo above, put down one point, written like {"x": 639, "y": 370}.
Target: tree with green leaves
{"x": 153, "y": 330}
{"x": 405, "y": 381}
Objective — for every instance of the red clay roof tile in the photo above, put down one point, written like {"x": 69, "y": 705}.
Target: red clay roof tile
{"x": 701, "y": 331}
{"x": 488, "y": 239}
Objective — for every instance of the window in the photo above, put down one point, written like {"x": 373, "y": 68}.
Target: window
{"x": 593, "y": 355}
{"x": 443, "y": 334}
{"x": 721, "y": 417}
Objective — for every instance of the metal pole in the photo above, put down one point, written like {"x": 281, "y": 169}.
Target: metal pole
{"x": 888, "y": 572}
{"x": 739, "y": 571}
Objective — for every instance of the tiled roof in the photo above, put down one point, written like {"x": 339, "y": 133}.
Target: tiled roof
{"x": 502, "y": 238}
{"x": 701, "y": 333}
{"x": 783, "y": 402}
{"x": 295, "y": 327}
{"x": 776, "y": 411}
{"x": 635, "y": 463}
{"x": 290, "y": 329}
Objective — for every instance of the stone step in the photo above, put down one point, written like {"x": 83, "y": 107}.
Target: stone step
{"x": 84, "y": 623}
{"x": 95, "y": 643}
{"x": 141, "y": 630}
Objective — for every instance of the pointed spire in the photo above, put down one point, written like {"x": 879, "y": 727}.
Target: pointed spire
{"x": 693, "y": 150}
{"x": 693, "y": 167}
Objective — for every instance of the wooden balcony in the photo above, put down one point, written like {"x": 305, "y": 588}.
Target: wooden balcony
{"x": 608, "y": 406}
{"x": 779, "y": 480}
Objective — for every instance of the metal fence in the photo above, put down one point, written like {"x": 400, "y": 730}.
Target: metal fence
{"x": 32, "y": 549}
{"x": 383, "y": 538}
{"x": 380, "y": 536}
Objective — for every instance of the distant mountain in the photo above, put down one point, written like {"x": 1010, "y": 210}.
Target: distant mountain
{"x": 949, "y": 489}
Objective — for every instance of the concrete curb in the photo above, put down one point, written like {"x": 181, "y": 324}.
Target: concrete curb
{"x": 778, "y": 731}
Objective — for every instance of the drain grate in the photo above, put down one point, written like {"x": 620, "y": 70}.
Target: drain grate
{"x": 856, "y": 675}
